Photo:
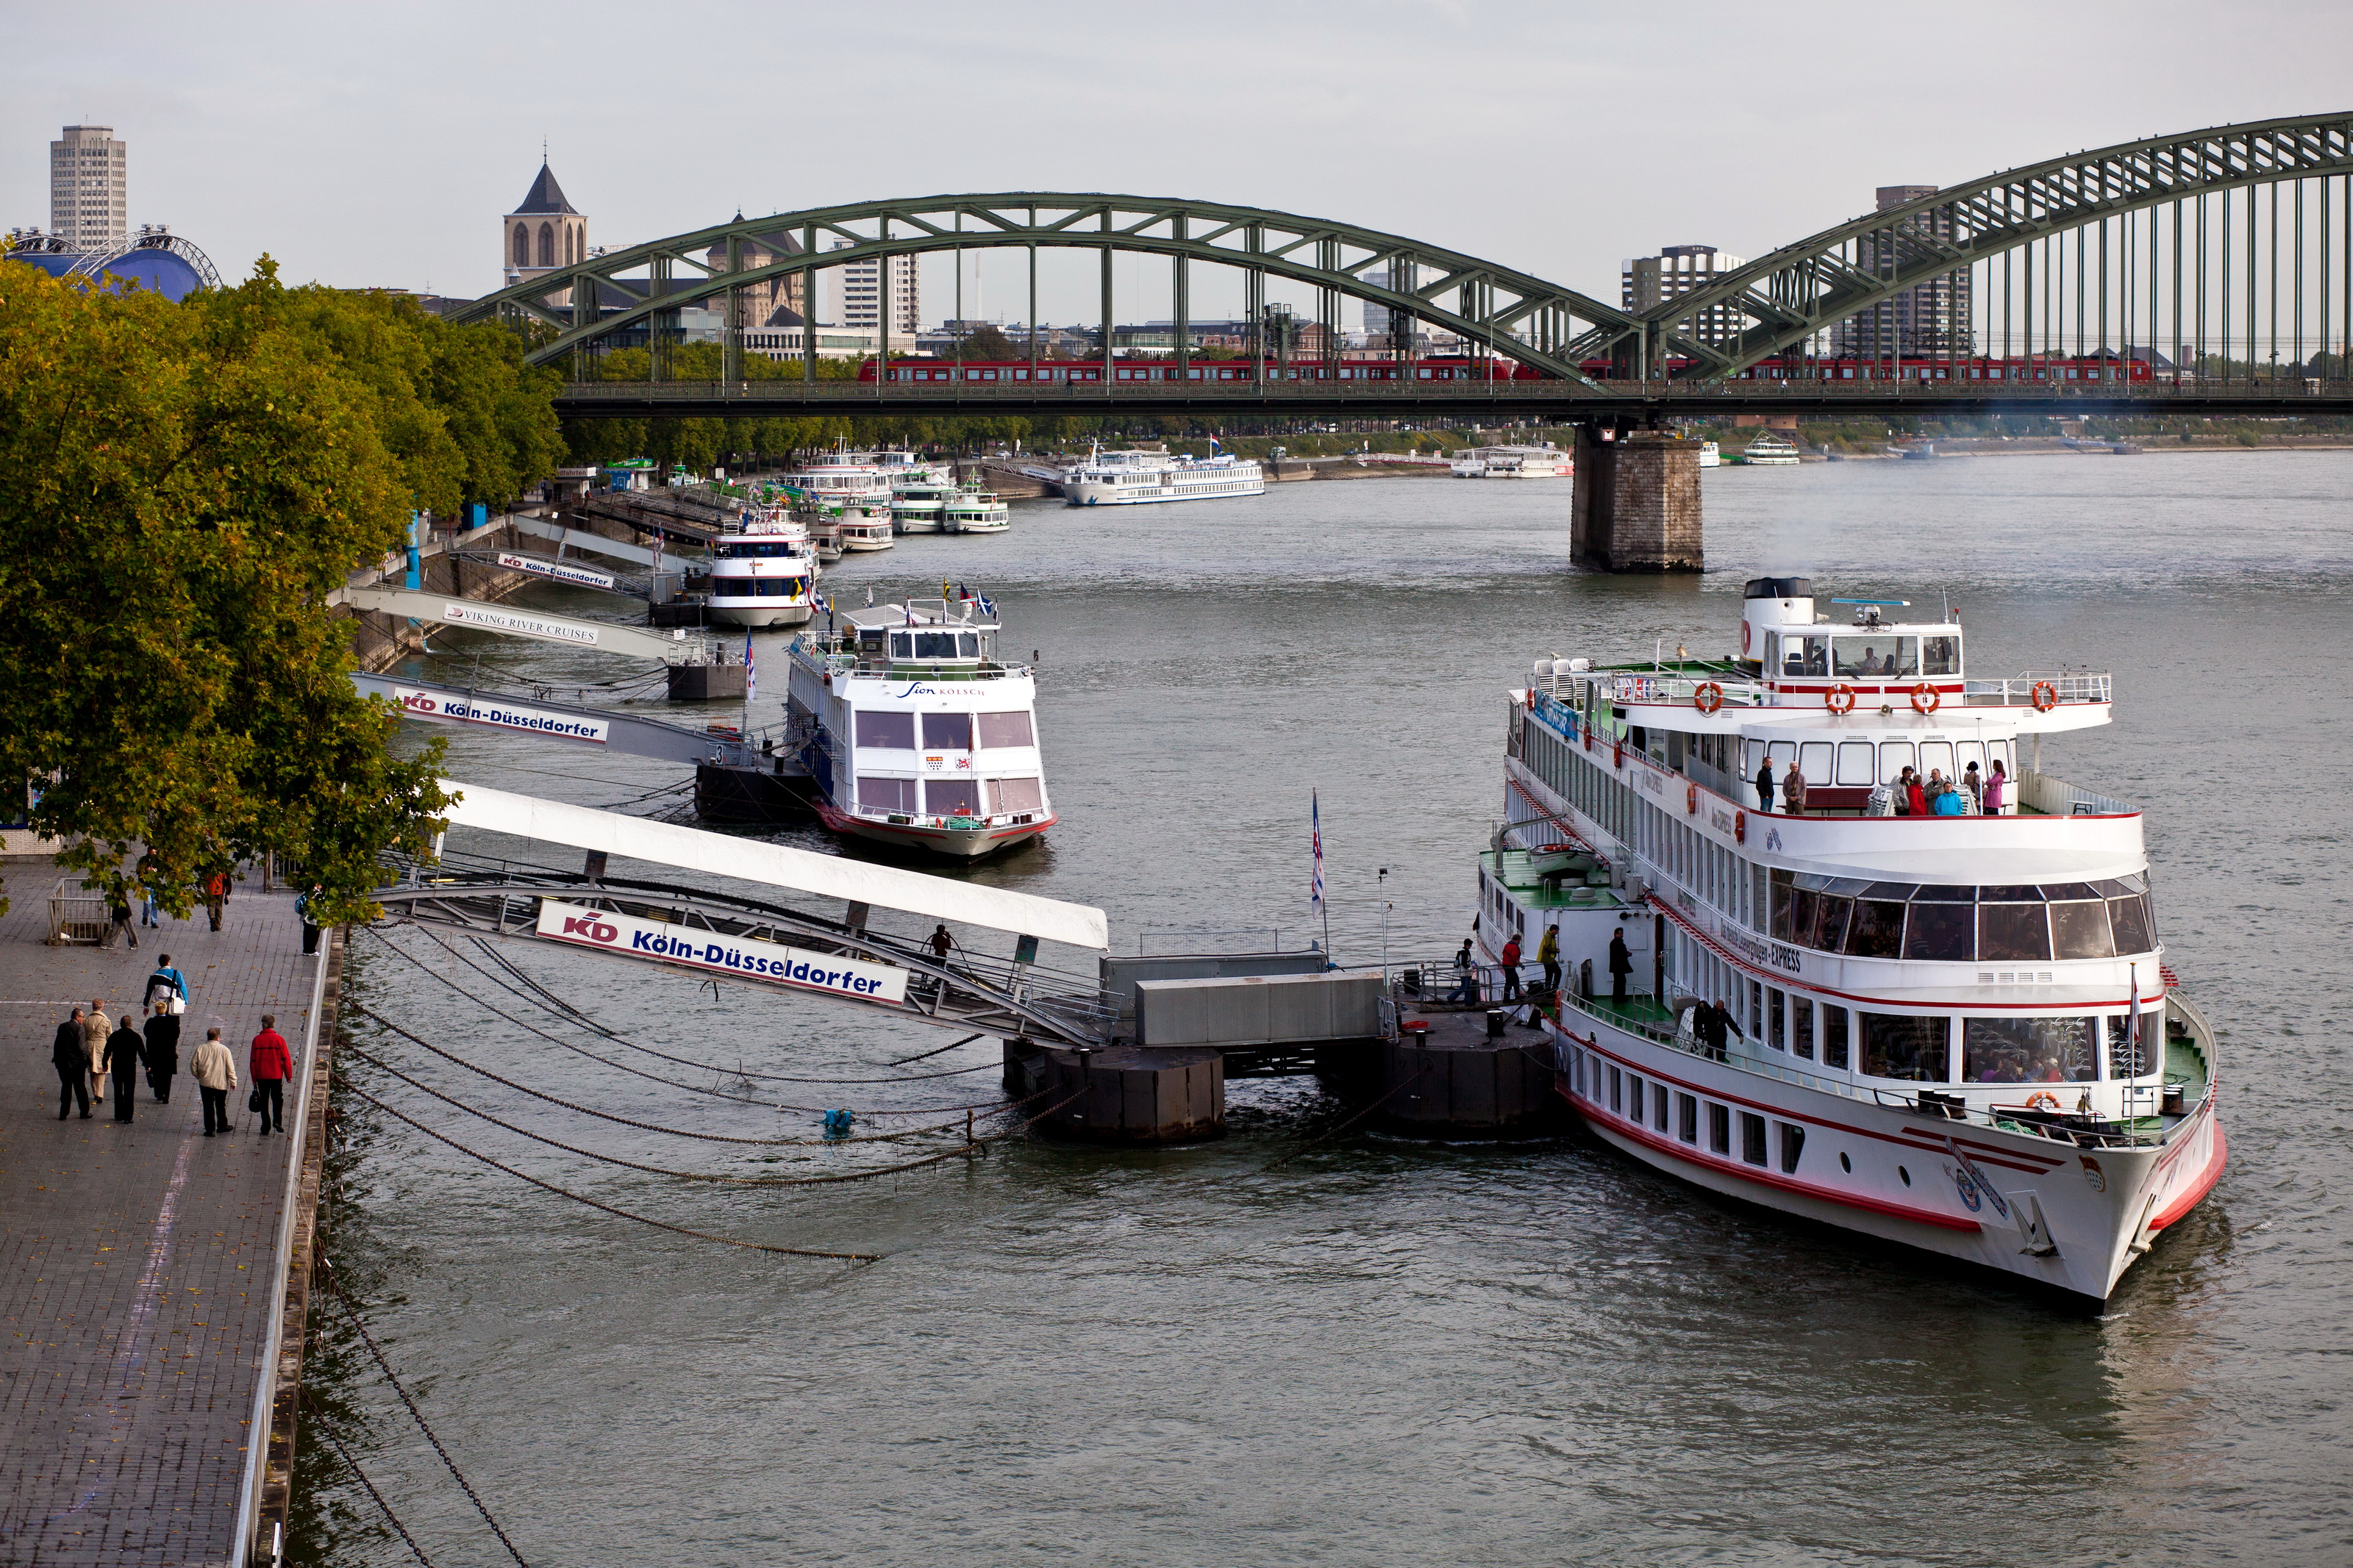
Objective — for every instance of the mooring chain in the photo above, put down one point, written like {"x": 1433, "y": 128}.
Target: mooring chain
{"x": 334, "y": 1442}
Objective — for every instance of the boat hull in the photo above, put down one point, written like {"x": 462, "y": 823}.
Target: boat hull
{"x": 1960, "y": 1190}
{"x": 1090, "y": 492}
{"x": 760, "y": 615}
{"x": 959, "y": 844}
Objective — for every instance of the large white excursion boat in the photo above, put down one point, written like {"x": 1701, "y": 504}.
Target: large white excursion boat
{"x": 972, "y": 510}
{"x": 764, "y": 571}
{"x": 1512, "y": 463}
{"x": 842, "y": 475}
{"x": 1133, "y": 478}
{"x": 920, "y": 736}
{"x": 916, "y": 503}
{"x": 1951, "y": 1031}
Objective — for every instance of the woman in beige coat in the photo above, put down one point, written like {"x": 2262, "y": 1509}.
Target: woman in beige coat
{"x": 95, "y": 1027}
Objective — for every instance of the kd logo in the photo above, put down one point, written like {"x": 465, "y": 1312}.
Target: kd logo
{"x": 594, "y": 929}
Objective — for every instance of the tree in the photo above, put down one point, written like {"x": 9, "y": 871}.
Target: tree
{"x": 189, "y": 482}
{"x": 989, "y": 342}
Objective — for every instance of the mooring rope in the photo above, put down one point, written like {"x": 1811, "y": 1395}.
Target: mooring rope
{"x": 609, "y": 1208}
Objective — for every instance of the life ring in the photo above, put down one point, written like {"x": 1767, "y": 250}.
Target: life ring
{"x": 1552, "y": 849}
{"x": 1691, "y": 798}
{"x": 1618, "y": 755}
{"x": 1926, "y": 698}
{"x": 1840, "y": 698}
{"x": 1740, "y": 828}
{"x": 2043, "y": 1100}
{"x": 2045, "y": 696}
{"x": 1707, "y": 697}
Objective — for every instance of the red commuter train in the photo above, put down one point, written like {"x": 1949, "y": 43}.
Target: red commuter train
{"x": 1460, "y": 368}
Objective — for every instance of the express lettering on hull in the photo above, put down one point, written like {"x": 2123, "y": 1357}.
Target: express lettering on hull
{"x": 1772, "y": 954}
{"x": 770, "y": 961}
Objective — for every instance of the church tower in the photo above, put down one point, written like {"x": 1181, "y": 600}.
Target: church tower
{"x": 542, "y": 233}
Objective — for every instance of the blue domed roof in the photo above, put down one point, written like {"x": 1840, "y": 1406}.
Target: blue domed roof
{"x": 166, "y": 272}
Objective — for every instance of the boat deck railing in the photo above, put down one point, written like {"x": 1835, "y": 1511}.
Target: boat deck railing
{"x": 1738, "y": 689}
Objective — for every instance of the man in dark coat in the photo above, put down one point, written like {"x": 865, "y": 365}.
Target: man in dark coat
{"x": 162, "y": 1053}
{"x": 73, "y": 1066}
{"x": 123, "y": 1049}
{"x": 1621, "y": 964}
{"x": 1765, "y": 786}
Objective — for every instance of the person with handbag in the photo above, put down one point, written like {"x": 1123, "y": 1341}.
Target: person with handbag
{"x": 216, "y": 1074}
{"x": 271, "y": 1066}
{"x": 162, "y": 1053}
{"x": 73, "y": 1066}
{"x": 123, "y": 1049}
{"x": 168, "y": 984}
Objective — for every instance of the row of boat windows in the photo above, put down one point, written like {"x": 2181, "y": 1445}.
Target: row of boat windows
{"x": 758, "y": 587}
{"x": 944, "y": 731}
{"x": 2017, "y": 924}
{"x": 1637, "y": 1101}
{"x": 935, "y": 644}
{"x": 762, "y": 550}
{"x": 950, "y": 798}
{"x": 1861, "y": 654}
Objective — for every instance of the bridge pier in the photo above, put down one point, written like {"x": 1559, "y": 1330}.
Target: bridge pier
{"x": 1635, "y": 505}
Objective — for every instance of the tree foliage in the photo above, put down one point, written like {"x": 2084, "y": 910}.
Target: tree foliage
{"x": 188, "y": 482}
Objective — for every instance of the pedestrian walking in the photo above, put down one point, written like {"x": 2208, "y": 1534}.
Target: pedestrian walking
{"x": 1548, "y": 954}
{"x": 941, "y": 942}
{"x": 1621, "y": 964}
{"x": 1466, "y": 976}
{"x": 1764, "y": 786}
{"x": 117, "y": 920}
{"x": 162, "y": 1054}
{"x": 303, "y": 905}
{"x": 215, "y": 1075}
{"x": 95, "y": 1027}
{"x": 167, "y": 985}
{"x": 72, "y": 1061}
{"x": 215, "y": 895}
{"x": 123, "y": 1049}
{"x": 151, "y": 872}
{"x": 271, "y": 1066}
{"x": 1793, "y": 790}
{"x": 1510, "y": 958}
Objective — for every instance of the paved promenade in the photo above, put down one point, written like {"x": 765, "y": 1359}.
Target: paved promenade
{"x": 135, "y": 1262}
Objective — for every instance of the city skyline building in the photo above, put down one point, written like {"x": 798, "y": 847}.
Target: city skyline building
{"x": 858, "y": 297}
{"x": 1648, "y": 281}
{"x": 1927, "y": 319}
{"x": 545, "y": 232}
{"x": 90, "y": 188}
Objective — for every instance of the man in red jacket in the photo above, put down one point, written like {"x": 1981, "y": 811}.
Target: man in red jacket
{"x": 271, "y": 1066}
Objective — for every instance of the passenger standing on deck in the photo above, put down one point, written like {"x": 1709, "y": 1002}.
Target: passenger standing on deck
{"x": 1621, "y": 964}
{"x": 1466, "y": 976}
{"x": 1510, "y": 959}
{"x": 162, "y": 1054}
{"x": 95, "y": 1027}
{"x": 941, "y": 942}
{"x": 271, "y": 1067}
{"x": 117, "y": 920}
{"x": 1765, "y": 786}
{"x": 1996, "y": 790}
{"x": 1971, "y": 782}
{"x": 122, "y": 1052}
{"x": 1548, "y": 954}
{"x": 72, "y": 1062}
{"x": 1915, "y": 795}
{"x": 216, "y": 1074}
{"x": 1793, "y": 790}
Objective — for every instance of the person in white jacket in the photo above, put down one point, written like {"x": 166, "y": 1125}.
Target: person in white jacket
{"x": 216, "y": 1074}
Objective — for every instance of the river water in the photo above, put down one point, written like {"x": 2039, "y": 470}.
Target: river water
{"x": 1382, "y": 1351}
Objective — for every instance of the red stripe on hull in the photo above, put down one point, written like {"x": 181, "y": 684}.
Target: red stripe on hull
{"x": 2190, "y": 1200}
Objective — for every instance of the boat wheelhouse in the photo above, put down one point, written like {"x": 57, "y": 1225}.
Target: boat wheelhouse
{"x": 764, "y": 571}
{"x": 920, "y": 737}
{"x": 1951, "y": 1028}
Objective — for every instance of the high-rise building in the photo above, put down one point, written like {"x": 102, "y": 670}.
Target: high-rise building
{"x": 90, "y": 188}
{"x": 1927, "y": 319}
{"x": 861, "y": 299}
{"x": 1648, "y": 281}
{"x": 543, "y": 233}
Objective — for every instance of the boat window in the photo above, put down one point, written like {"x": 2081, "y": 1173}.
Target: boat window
{"x": 1941, "y": 932}
{"x": 1875, "y": 653}
{"x": 2028, "y": 1050}
{"x": 1687, "y": 1117}
{"x": 1834, "y": 1036}
{"x": 936, "y": 644}
{"x": 1814, "y": 760}
{"x": 886, "y": 794}
{"x": 2009, "y": 895}
{"x": 1941, "y": 893}
{"x": 1719, "y": 1128}
{"x": 896, "y": 730}
{"x": 1854, "y": 762}
{"x": 1658, "y": 1106}
{"x": 1891, "y": 890}
{"x": 903, "y": 645}
{"x": 947, "y": 732}
{"x": 1894, "y": 756}
{"x": 2135, "y": 932}
{"x": 2080, "y": 930}
{"x": 1782, "y": 753}
{"x": 1785, "y": 913}
{"x": 967, "y": 644}
{"x": 1940, "y": 656}
{"x": 1793, "y": 1144}
{"x": 1015, "y": 795}
{"x": 1634, "y": 1100}
{"x": 2068, "y": 890}
{"x": 1937, "y": 756}
{"x": 1832, "y": 914}
{"x": 1876, "y": 930}
{"x": 1902, "y": 1046}
{"x": 2128, "y": 1058}
{"x": 2008, "y": 932}
{"x": 1773, "y": 1035}
{"x": 1617, "y": 1093}
{"x": 1004, "y": 730}
{"x": 952, "y": 797}
{"x": 1752, "y": 1137}
{"x": 1805, "y": 654}
{"x": 1970, "y": 753}
{"x": 1802, "y": 1028}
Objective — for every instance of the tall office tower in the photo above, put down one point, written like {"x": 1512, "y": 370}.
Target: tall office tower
{"x": 858, "y": 295}
{"x": 1650, "y": 280}
{"x": 90, "y": 186}
{"x": 542, "y": 234}
{"x": 1926, "y": 319}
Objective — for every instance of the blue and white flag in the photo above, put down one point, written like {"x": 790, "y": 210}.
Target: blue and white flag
{"x": 1316, "y": 832}
{"x": 987, "y": 606}
{"x": 751, "y": 672}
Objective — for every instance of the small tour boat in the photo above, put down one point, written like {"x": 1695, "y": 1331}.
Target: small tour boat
{"x": 975, "y": 511}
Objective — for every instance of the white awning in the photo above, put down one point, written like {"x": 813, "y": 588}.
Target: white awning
{"x": 748, "y": 860}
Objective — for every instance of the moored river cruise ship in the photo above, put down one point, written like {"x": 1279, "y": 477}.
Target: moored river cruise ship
{"x": 1950, "y": 1028}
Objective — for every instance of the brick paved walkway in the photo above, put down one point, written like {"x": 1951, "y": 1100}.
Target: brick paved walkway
{"x": 135, "y": 1262}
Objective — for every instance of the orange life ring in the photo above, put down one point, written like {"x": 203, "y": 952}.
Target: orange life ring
{"x": 1744, "y": 634}
{"x": 1840, "y": 698}
{"x": 1740, "y": 828}
{"x": 2043, "y": 1100}
{"x": 2045, "y": 696}
{"x": 1707, "y": 697}
{"x": 1926, "y": 698}
{"x": 1691, "y": 798}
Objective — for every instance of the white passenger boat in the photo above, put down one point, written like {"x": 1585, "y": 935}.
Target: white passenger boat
{"x": 1950, "y": 1029}
{"x": 1512, "y": 463}
{"x": 916, "y": 504}
{"x": 764, "y": 571}
{"x": 843, "y": 476}
{"x": 863, "y": 531}
{"x": 1133, "y": 478}
{"x": 974, "y": 510}
{"x": 923, "y": 738}
{"x": 1770, "y": 451}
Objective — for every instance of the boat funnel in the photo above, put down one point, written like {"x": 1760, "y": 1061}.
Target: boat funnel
{"x": 1769, "y": 604}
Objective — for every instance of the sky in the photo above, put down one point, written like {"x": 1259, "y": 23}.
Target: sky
{"x": 379, "y": 146}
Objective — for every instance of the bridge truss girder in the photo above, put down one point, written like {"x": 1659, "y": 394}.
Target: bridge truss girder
{"x": 1508, "y": 314}
{"x": 1805, "y": 288}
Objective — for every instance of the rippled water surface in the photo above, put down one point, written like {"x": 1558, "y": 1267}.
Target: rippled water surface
{"x": 1380, "y": 1352}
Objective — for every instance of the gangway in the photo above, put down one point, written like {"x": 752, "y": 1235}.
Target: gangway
{"x": 603, "y": 728}
{"x": 595, "y": 543}
{"x": 716, "y": 934}
{"x": 478, "y": 615}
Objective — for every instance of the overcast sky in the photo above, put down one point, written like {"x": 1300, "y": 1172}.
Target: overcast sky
{"x": 372, "y": 145}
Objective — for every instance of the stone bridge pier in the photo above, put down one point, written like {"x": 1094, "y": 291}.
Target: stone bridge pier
{"x": 1635, "y": 503}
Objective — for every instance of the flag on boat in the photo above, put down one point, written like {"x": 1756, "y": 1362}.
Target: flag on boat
{"x": 1316, "y": 832}
{"x": 1213, "y": 444}
{"x": 987, "y": 606}
{"x": 751, "y": 672}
